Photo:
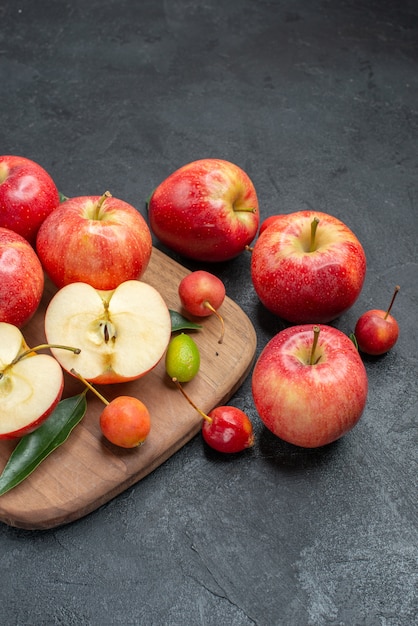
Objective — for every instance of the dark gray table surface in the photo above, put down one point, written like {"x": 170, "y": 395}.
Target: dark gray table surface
{"x": 318, "y": 102}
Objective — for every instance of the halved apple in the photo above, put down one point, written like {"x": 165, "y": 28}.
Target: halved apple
{"x": 31, "y": 384}
{"x": 122, "y": 333}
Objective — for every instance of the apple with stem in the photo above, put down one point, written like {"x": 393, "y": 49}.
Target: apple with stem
{"x": 377, "y": 331}
{"x": 309, "y": 385}
{"x": 125, "y": 421}
{"x": 201, "y": 294}
{"x": 21, "y": 279}
{"x": 98, "y": 240}
{"x": 308, "y": 266}
{"x": 206, "y": 210}
{"x": 27, "y": 195}
{"x": 226, "y": 429}
{"x": 122, "y": 333}
{"x": 31, "y": 384}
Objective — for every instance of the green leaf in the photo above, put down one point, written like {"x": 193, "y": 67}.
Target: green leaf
{"x": 33, "y": 448}
{"x": 178, "y": 322}
{"x": 353, "y": 339}
{"x": 62, "y": 197}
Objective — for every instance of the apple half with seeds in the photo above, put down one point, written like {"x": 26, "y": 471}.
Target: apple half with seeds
{"x": 31, "y": 384}
{"x": 122, "y": 333}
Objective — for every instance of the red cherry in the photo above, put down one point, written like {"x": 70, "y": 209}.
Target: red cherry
{"x": 226, "y": 428}
{"x": 229, "y": 430}
{"x": 377, "y": 331}
{"x": 201, "y": 294}
{"x": 125, "y": 422}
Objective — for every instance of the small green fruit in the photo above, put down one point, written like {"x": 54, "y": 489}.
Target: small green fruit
{"x": 182, "y": 359}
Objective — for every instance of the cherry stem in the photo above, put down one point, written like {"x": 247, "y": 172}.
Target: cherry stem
{"x": 314, "y": 226}
{"x": 90, "y": 386}
{"x": 43, "y": 346}
{"x": 190, "y": 401}
{"x": 316, "y": 331}
{"x": 220, "y": 318}
{"x": 99, "y": 204}
{"x": 395, "y": 293}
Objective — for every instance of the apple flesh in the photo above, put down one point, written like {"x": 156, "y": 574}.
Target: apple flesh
{"x": 122, "y": 333}
{"x": 31, "y": 384}
{"x": 99, "y": 240}
{"x": 308, "y": 266}
{"x": 21, "y": 279}
{"x": 206, "y": 210}
{"x": 27, "y": 195}
{"x": 309, "y": 395}
{"x": 377, "y": 331}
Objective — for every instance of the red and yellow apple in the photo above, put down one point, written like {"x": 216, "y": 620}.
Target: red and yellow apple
{"x": 309, "y": 385}
{"x": 27, "y": 195}
{"x": 206, "y": 210}
{"x": 377, "y": 331}
{"x": 98, "y": 240}
{"x": 308, "y": 266}
{"x": 122, "y": 333}
{"x": 31, "y": 384}
{"x": 21, "y": 279}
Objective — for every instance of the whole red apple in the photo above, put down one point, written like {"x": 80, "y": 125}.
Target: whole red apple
{"x": 207, "y": 210}
{"x": 377, "y": 331}
{"x": 21, "y": 279}
{"x": 308, "y": 266}
{"x": 27, "y": 195}
{"x": 99, "y": 240}
{"x": 309, "y": 385}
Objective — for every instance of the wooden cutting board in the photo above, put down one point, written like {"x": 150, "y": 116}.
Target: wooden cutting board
{"x": 88, "y": 471}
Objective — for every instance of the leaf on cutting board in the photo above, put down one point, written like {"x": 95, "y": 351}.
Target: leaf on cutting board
{"x": 178, "y": 322}
{"x": 33, "y": 448}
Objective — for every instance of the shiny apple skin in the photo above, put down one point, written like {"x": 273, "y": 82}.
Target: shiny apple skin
{"x": 28, "y": 195}
{"x": 21, "y": 279}
{"x": 206, "y": 210}
{"x": 102, "y": 252}
{"x": 309, "y": 405}
{"x": 376, "y": 335}
{"x": 301, "y": 286}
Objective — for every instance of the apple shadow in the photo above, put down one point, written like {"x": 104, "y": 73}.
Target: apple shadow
{"x": 268, "y": 322}
{"x": 288, "y": 457}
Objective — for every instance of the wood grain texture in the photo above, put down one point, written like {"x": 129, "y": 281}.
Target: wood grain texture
{"x": 88, "y": 471}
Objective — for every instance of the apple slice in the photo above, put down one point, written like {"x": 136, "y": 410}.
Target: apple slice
{"x": 122, "y": 333}
{"x": 31, "y": 384}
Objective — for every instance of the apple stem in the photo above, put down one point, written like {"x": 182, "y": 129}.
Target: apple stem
{"x": 196, "y": 408}
{"x": 99, "y": 204}
{"x": 316, "y": 331}
{"x": 314, "y": 226}
{"x": 220, "y": 318}
{"x": 43, "y": 346}
{"x": 395, "y": 293}
{"x": 90, "y": 386}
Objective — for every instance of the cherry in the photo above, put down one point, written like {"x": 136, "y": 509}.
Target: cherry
{"x": 125, "y": 421}
{"x": 225, "y": 428}
{"x": 377, "y": 331}
{"x": 201, "y": 294}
